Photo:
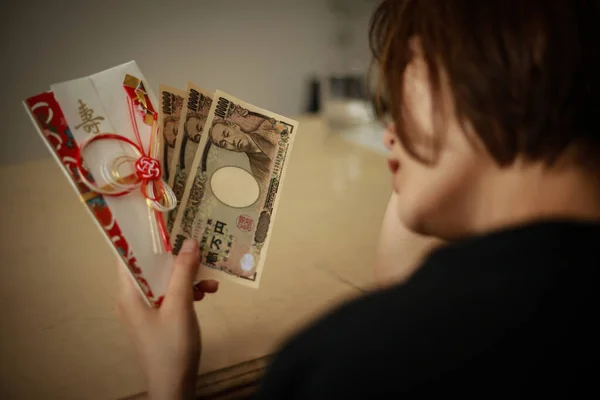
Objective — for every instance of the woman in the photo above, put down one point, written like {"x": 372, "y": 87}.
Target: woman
{"x": 494, "y": 149}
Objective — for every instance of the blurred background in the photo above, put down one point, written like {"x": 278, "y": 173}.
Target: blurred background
{"x": 289, "y": 56}
{"x": 306, "y": 59}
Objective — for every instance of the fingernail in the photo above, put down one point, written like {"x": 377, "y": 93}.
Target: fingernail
{"x": 189, "y": 246}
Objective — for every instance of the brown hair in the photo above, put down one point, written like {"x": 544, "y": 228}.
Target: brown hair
{"x": 523, "y": 73}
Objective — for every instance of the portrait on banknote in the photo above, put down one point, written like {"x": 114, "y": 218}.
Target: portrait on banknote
{"x": 193, "y": 129}
{"x": 169, "y": 133}
{"x": 171, "y": 104}
{"x": 257, "y": 138}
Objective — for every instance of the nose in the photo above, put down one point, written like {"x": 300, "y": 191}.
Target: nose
{"x": 389, "y": 136}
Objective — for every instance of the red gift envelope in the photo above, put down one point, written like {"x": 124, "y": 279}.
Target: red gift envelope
{"x": 103, "y": 132}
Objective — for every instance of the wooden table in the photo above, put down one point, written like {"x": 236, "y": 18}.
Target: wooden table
{"x": 60, "y": 336}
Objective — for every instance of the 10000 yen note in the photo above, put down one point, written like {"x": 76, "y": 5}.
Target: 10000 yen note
{"x": 229, "y": 204}
{"x": 171, "y": 104}
{"x": 196, "y": 106}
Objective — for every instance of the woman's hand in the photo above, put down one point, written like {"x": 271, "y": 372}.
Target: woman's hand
{"x": 167, "y": 339}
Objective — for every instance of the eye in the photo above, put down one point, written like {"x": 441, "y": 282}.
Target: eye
{"x": 226, "y": 133}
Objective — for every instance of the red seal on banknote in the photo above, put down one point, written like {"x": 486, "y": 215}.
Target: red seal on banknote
{"x": 245, "y": 223}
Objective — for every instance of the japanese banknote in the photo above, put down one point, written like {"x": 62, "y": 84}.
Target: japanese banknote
{"x": 196, "y": 105}
{"x": 171, "y": 104}
{"x": 231, "y": 195}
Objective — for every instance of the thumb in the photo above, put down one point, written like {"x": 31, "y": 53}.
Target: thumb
{"x": 184, "y": 273}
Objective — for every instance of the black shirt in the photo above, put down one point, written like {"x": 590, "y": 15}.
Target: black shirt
{"x": 507, "y": 315}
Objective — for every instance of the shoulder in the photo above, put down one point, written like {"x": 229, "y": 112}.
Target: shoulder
{"x": 488, "y": 299}
{"x": 401, "y": 331}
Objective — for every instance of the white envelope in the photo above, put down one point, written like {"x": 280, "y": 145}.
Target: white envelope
{"x": 103, "y": 93}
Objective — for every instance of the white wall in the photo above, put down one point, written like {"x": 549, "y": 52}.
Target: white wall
{"x": 262, "y": 51}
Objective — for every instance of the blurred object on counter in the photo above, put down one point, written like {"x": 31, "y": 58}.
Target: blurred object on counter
{"x": 314, "y": 96}
{"x": 345, "y": 102}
